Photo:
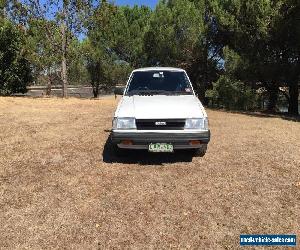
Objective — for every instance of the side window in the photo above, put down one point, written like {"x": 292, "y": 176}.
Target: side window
{"x": 188, "y": 85}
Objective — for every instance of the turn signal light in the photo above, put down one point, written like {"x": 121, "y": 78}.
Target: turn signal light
{"x": 126, "y": 142}
{"x": 195, "y": 142}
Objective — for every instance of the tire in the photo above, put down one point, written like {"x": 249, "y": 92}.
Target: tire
{"x": 200, "y": 152}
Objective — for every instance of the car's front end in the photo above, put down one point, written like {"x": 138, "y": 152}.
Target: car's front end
{"x": 171, "y": 134}
{"x": 160, "y": 120}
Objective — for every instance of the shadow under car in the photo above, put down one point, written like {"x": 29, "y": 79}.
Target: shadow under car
{"x": 143, "y": 157}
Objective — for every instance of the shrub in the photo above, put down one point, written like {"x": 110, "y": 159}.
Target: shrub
{"x": 232, "y": 94}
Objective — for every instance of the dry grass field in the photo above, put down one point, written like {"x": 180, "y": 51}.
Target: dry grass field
{"x": 62, "y": 187}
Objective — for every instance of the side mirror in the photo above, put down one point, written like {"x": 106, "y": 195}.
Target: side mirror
{"x": 119, "y": 90}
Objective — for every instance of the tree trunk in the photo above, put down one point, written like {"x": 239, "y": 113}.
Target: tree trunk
{"x": 64, "y": 76}
{"x": 95, "y": 90}
{"x": 293, "y": 100}
{"x": 49, "y": 86}
{"x": 273, "y": 96}
{"x": 201, "y": 92}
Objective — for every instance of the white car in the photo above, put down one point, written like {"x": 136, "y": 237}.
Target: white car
{"x": 160, "y": 112}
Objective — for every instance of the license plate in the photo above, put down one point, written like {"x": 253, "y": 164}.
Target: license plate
{"x": 160, "y": 147}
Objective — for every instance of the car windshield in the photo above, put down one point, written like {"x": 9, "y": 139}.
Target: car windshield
{"x": 159, "y": 82}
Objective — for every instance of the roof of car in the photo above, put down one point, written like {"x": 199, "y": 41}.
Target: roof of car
{"x": 158, "y": 68}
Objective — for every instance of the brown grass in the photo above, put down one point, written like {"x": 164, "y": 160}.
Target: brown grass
{"x": 61, "y": 186}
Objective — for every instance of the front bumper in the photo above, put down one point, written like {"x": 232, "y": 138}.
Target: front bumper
{"x": 141, "y": 140}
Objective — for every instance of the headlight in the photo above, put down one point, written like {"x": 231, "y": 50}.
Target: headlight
{"x": 124, "y": 123}
{"x": 196, "y": 123}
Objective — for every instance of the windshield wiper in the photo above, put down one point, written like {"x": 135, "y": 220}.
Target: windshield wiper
{"x": 157, "y": 92}
{"x": 180, "y": 93}
{"x": 148, "y": 92}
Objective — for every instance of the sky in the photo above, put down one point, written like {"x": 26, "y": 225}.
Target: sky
{"x": 150, "y": 3}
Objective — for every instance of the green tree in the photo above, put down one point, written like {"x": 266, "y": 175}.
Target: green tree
{"x": 286, "y": 36}
{"x": 104, "y": 71}
{"x": 230, "y": 93}
{"x": 265, "y": 34}
{"x": 246, "y": 25}
{"x": 96, "y": 66}
{"x": 183, "y": 34}
{"x": 137, "y": 22}
{"x": 45, "y": 60}
{"x": 68, "y": 17}
{"x": 120, "y": 31}
{"x": 15, "y": 71}
{"x": 77, "y": 70}
{"x": 173, "y": 34}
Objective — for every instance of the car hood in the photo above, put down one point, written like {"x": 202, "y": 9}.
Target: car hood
{"x": 160, "y": 106}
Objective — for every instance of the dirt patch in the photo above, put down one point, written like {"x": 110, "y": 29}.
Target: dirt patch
{"x": 62, "y": 187}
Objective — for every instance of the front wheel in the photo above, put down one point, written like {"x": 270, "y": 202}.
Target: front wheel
{"x": 200, "y": 152}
